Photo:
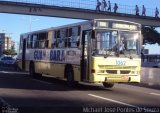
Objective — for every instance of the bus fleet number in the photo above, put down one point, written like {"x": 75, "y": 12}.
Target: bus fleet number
{"x": 120, "y": 62}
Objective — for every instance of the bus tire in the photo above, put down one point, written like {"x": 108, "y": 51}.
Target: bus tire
{"x": 108, "y": 85}
{"x": 32, "y": 71}
{"x": 70, "y": 76}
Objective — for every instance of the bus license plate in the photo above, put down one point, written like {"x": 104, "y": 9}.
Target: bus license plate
{"x": 125, "y": 77}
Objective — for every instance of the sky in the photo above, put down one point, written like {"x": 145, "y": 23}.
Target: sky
{"x": 15, "y": 25}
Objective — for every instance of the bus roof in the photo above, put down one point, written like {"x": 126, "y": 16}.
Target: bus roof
{"x": 77, "y": 24}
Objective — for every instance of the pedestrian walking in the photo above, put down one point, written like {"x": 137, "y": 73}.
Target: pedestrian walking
{"x": 98, "y": 6}
{"x": 115, "y": 8}
{"x": 137, "y": 10}
{"x": 156, "y": 12}
{"x": 143, "y": 11}
{"x": 109, "y": 6}
{"x": 104, "y": 5}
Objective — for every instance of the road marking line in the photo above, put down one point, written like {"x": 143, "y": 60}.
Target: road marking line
{"x": 155, "y": 94}
{"x": 113, "y": 100}
{"x": 44, "y": 82}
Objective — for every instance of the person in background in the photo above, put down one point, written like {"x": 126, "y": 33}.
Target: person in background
{"x": 115, "y": 8}
{"x": 109, "y": 6}
{"x": 143, "y": 11}
{"x": 104, "y": 4}
{"x": 137, "y": 10}
{"x": 156, "y": 12}
{"x": 98, "y": 6}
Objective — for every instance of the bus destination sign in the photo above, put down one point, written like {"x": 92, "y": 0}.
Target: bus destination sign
{"x": 124, "y": 26}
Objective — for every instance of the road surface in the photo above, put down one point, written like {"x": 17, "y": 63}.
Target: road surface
{"x": 21, "y": 94}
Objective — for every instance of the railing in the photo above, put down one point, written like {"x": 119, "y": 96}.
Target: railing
{"x": 85, "y": 4}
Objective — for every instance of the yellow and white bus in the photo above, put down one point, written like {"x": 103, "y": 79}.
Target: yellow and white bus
{"x": 95, "y": 51}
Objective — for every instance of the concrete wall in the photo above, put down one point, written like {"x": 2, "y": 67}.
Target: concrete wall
{"x": 149, "y": 64}
{"x": 150, "y": 76}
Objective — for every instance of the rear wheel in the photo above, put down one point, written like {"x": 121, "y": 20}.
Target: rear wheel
{"x": 108, "y": 85}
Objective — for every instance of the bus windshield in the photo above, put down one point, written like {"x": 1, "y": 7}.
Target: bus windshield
{"x": 105, "y": 42}
{"x": 112, "y": 43}
{"x": 128, "y": 43}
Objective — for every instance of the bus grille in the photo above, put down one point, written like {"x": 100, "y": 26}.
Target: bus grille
{"x": 116, "y": 71}
{"x": 125, "y": 72}
{"x": 111, "y": 71}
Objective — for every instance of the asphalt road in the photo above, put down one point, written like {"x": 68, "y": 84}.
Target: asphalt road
{"x": 21, "y": 94}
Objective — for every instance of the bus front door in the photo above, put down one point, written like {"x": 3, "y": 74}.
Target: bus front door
{"x": 23, "y": 54}
{"x": 85, "y": 59}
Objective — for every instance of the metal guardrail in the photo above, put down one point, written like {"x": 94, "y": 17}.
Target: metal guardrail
{"x": 85, "y": 4}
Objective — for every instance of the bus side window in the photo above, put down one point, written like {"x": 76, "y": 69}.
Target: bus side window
{"x": 34, "y": 40}
{"x": 41, "y": 40}
{"x": 21, "y": 42}
{"x": 46, "y": 43}
{"x": 66, "y": 38}
{"x": 62, "y": 38}
{"x": 78, "y": 41}
{"x": 57, "y": 38}
{"x": 54, "y": 39}
{"x": 46, "y": 40}
{"x": 69, "y": 37}
{"x": 75, "y": 38}
{"x": 29, "y": 41}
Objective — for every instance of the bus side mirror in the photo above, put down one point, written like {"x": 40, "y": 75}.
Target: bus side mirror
{"x": 93, "y": 34}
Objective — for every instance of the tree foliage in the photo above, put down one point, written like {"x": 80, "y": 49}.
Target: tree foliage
{"x": 10, "y": 52}
{"x": 150, "y": 35}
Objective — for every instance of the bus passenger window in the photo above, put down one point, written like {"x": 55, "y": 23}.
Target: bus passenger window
{"x": 46, "y": 43}
{"x": 34, "y": 41}
{"x": 78, "y": 41}
{"x": 61, "y": 43}
{"x": 42, "y": 44}
{"x": 62, "y": 38}
{"x": 70, "y": 32}
{"x": 53, "y": 45}
{"x": 69, "y": 42}
{"x": 74, "y": 38}
{"x": 65, "y": 42}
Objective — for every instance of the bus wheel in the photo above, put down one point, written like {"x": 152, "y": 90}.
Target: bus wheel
{"x": 70, "y": 76}
{"x": 108, "y": 85}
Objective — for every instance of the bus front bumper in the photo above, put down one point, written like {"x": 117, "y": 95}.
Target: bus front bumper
{"x": 115, "y": 79}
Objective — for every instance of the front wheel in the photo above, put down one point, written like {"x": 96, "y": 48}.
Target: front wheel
{"x": 108, "y": 85}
